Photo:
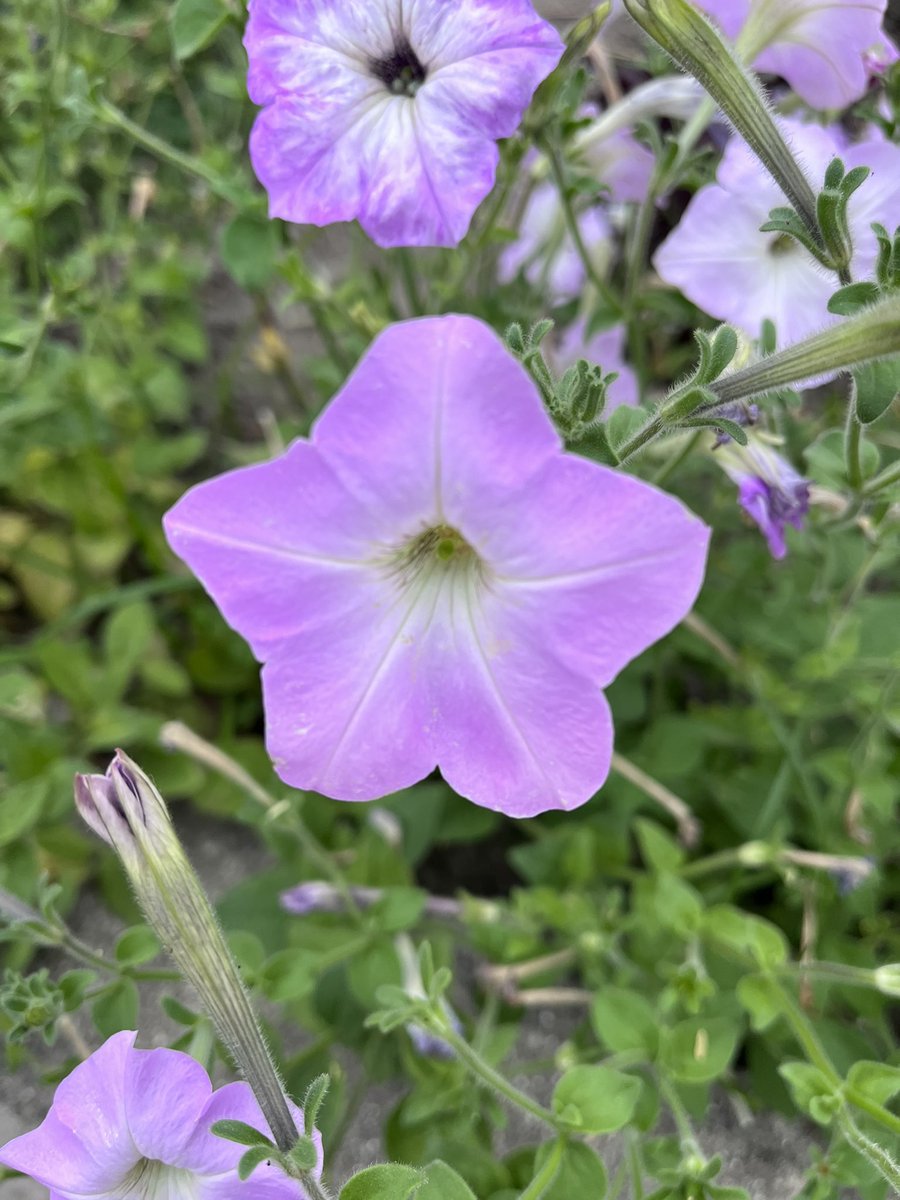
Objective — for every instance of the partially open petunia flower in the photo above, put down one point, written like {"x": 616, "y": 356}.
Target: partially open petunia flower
{"x": 431, "y": 581}
{"x": 770, "y": 490}
{"x": 388, "y": 111}
{"x": 718, "y": 256}
{"x": 820, "y": 47}
{"x": 131, "y": 1124}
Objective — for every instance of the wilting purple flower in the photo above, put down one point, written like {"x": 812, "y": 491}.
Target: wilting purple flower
{"x": 607, "y": 350}
{"x": 769, "y": 489}
{"x": 719, "y": 258}
{"x": 425, "y": 1043}
{"x": 388, "y": 111}
{"x": 819, "y": 48}
{"x": 431, "y": 581}
{"x": 135, "y": 1125}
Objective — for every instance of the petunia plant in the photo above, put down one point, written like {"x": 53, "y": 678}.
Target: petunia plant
{"x": 451, "y": 445}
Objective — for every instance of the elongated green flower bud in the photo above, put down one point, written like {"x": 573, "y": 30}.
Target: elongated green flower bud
{"x": 871, "y": 334}
{"x": 697, "y": 46}
{"x": 127, "y": 811}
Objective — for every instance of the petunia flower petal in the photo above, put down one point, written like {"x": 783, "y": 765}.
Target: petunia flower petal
{"x": 165, "y": 1093}
{"x": 604, "y": 587}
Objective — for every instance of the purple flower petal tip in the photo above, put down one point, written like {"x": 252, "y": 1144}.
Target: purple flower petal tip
{"x": 431, "y": 581}
{"x": 130, "y": 1123}
{"x": 389, "y": 113}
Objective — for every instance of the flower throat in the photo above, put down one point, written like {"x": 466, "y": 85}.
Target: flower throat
{"x": 401, "y": 71}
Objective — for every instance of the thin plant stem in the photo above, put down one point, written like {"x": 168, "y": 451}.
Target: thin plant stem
{"x": 671, "y": 465}
{"x": 493, "y": 1079}
{"x": 546, "y": 1174}
{"x": 177, "y": 736}
{"x": 635, "y": 1168}
{"x": 884, "y": 479}
{"x": 407, "y": 267}
{"x": 853, "y": 433}
{"x": 806, "y": 1035}
{"x": 688, "y": 825}
{"x": 574, "y": 228}
{"x": 171, "y": 154}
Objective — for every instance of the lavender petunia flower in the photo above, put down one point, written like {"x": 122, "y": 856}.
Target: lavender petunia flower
{"x": 387, "y": 111}
{"x": 431, "y": 581}
{"x": 720, "y": 259}
{"x": 769, "y": 490}
{"x": 136, "y": 1124}
{"x": 818, "y": 46}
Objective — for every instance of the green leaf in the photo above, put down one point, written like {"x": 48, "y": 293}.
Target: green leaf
{"x": 194, "y": 24}
{"x": 137, "y": 945}
{"x": 126, "y": 638}
{"x": 877, "y": 387}
{"x": 879, "y": 1081}
{"x": 289, "y": 975}
{"x": 596, "y": 1099}
{"x": 699, "y": 1049}
{"x": 386, "y": 1182}
{"x": 21, "y": 807}
{"x": 117, "y": 1008}
{"x": 848, "y": 301}
{"x": 399, "y": 909}
{"x": 249, "y": 248}
{"x": 746, "y": 934}
{"x": 443, "y": 1183}
{"x": 659, "y": 850}
{"x": 240, "y": 1132}
{"x": 624, "y": 1021}
{"x": 581, "y": 1174}
{"x": 252, "y": 1159}
{"x": 808, "y": 1086}
{"x": 760, "y": 996}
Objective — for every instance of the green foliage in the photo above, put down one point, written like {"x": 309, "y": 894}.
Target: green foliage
{"x": 154, "y": 331}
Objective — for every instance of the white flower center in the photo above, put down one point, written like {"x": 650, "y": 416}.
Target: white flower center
{"x": 438, "y": 574}
{"x": 151, "y": 1180}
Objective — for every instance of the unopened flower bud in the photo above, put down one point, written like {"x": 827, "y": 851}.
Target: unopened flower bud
{"x": 697, "y": 46}
{"x": 125, "y": 809}
{"x": 887, "y": 979}
{"x": 755, "y": 854}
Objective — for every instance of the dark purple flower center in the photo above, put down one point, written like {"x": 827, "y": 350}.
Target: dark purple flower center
{"x": 401, "y": 71}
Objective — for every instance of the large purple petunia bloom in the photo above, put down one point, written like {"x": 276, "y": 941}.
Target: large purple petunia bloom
{"x": 388, "y": 111}
{"x": 431, "y": 581}
{"x": 135, "y": 1125}
{"x": 820, "y": 47}
{"x": 718, "y": 256}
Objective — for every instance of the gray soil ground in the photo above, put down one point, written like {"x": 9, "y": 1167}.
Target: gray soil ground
{"x": 767, "y": 1155}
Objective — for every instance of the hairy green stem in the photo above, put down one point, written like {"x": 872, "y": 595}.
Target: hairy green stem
{"x": 493, "y": 1079}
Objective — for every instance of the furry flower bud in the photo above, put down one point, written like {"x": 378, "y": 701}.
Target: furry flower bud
{"x": 126, "y": 810}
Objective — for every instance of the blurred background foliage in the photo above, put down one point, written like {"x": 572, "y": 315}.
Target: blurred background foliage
{"x": 155, "y": 328}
